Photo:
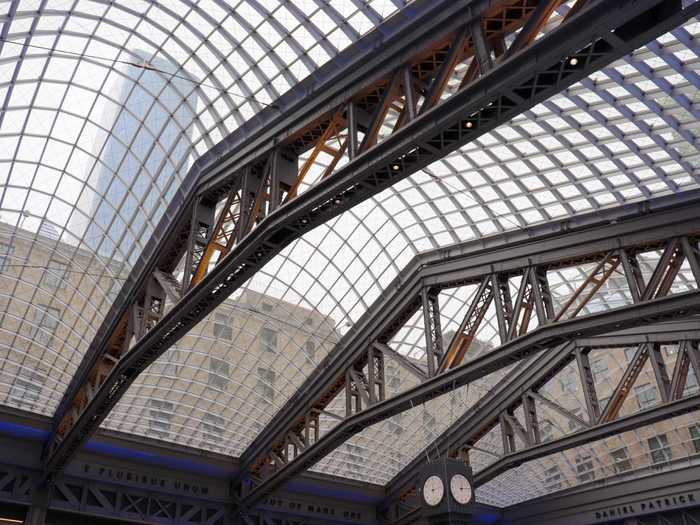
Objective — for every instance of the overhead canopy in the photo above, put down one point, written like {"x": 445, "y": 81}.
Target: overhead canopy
{"x": 106, "y": 106}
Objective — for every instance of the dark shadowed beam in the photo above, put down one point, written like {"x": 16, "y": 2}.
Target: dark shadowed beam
{"x": 583, "y": 504}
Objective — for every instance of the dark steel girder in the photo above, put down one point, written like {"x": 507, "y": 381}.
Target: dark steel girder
{"x": 542, "y": 338}
{"x": 546, "y": 245}
{"x": 472, "y": 425}
{"x": 598, "y": 35}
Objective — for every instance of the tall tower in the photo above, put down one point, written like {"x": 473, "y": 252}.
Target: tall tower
{"x": 147, "y": 146}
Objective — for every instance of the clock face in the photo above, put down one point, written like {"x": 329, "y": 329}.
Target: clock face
{"x": 461, "y": 489}
{"x": 433, "y": 490}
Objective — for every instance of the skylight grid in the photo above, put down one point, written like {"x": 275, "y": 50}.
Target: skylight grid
{"x": 105, "y": 108}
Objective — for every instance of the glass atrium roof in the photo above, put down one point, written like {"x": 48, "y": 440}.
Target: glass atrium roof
{"x": 107, "y": 105}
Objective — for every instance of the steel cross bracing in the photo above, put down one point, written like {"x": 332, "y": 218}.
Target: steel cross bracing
{"x": 291, "y": 442}
{"x": 520, "y": 390}
{"x": 263, "y": 209}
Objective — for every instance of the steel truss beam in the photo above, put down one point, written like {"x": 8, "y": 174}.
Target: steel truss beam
{"x": 433, "y": 271}
{"x": 546, "y": 337}
{"x": 254, "y": 226}
{"x": 519, "y": 387}
{"x": 470, "y": 263}
{"x": 234, "y": 169}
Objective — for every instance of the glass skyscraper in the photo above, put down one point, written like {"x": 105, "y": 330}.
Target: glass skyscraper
{"x": 147, "y": 147}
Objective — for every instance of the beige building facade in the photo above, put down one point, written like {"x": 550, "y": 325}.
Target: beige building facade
{"x": 233, "y": 373}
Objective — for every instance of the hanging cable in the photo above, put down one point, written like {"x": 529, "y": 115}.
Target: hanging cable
{"x": 141, "y": 65}
{"x": 43, "y": 267}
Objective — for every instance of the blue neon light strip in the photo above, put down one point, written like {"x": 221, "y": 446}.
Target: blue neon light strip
{"x": 17, "y": 430}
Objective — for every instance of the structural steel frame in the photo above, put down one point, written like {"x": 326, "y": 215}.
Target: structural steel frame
{"x": 401, "y": 500}
{"x": 656, "y": 225}
{"x": 599, "y": 34}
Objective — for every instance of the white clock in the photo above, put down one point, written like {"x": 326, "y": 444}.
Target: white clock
{"x": 433, "y": 490}
{"x": 461, "y": 489}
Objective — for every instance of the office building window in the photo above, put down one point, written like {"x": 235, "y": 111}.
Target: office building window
{"x": 600, "y": 370}
{"x": 429, "y": 426}
{"x": 55, "y": 275}
{"x": 170, "y": 363}
{"x": 630, "y": 353}
{"x": 670, "y": 350}
{"x": 222, "y": 326}
{"x": 218, "y": 373}
{"x": 584, "y": 469}
{"x": 620, "y": 459}
{"x": 213, "y": 428}
{"x": 392, "y": 376}
{"x": 268, "y": 339}
{"x": 355, "y": 457}
{"x": 161, "y": 414}
{"x": 44, "y": 324}
{"x": 265, "y": 386}
{"x": 546, "y": 431}
{"x": 691, "y": 383}
{"x": 573, "y": 424}
{"x": 659, "y": 449}
{"x": 310, "y": 349}
{"x": 394, "y": 425}
{"x": 552, "y": 478}
{"x": 567, "y": 383}
{"x": 6, "y": 251}
{"x": 646, "y": 395}
{"x": 26, "y": 388}
{"x": 694, "y": 431}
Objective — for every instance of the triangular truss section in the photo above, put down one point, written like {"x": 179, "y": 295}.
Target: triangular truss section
{"x": 516, "y": 310}
{"x": 564, "y": 393}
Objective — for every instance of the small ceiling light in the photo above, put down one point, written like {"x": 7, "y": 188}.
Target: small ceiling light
{"x": 469, "y": 124}
{"x": 337, "y": 201}
{"x": 573, "y": 61}
{"x": 304, "y": 220}
{"x": 259, "y": 254}
{"x": 396, "y": 167}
